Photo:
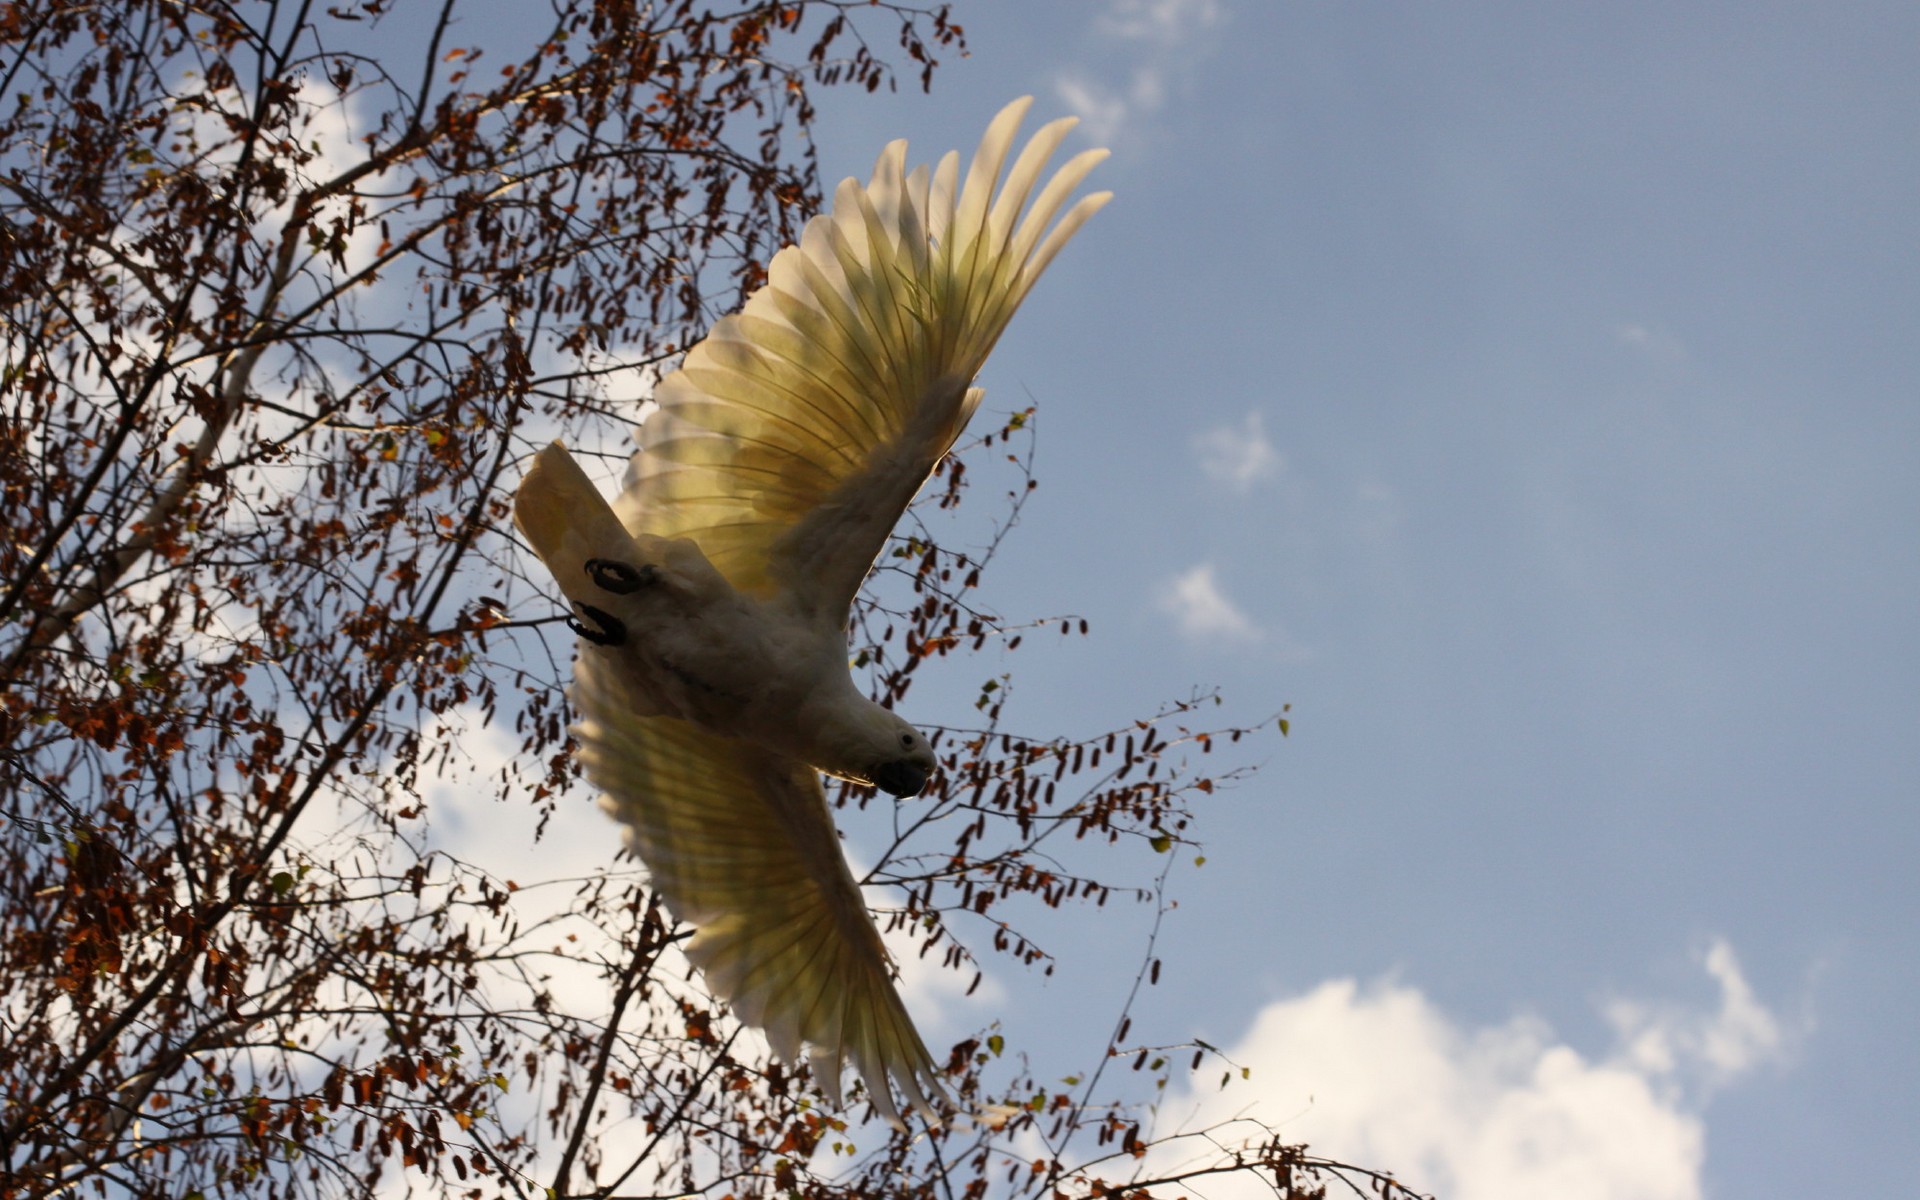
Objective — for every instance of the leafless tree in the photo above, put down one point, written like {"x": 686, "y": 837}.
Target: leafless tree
{"x": 290, "y": 291}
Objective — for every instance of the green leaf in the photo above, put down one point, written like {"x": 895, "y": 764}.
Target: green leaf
{"x": 282, "y": 882}
{"x": 996, "y": 1043}
{"x": 1162, "y": 844}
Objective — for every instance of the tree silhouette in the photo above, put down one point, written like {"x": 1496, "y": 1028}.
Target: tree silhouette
{"x": 290, "y": 292}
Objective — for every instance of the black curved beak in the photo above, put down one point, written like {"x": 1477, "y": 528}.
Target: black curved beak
{"x": 900, "y": 778}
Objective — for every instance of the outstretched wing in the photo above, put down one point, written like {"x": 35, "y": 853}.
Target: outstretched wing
{"x": 793, "y": 436}
{"x": 741, "y": 845}
{"x": 786, "y": 447}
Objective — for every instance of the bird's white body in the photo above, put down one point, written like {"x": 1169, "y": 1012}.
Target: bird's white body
{"x": 769, "y": 669}
{"x": 712, "y": 595}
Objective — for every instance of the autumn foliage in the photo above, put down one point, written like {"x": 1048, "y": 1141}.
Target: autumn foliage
{"x": 290, "y": 292}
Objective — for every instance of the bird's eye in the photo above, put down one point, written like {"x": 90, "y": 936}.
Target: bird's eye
{"x": 906, "y": 740}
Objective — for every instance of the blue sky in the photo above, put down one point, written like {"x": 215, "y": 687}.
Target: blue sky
{"x": 1527, "y": 395}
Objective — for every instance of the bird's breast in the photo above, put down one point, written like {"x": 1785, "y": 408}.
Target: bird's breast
{"x": 740, "y": 668}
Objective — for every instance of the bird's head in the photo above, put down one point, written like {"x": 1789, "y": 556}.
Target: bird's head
{"x": 903, "y": 762}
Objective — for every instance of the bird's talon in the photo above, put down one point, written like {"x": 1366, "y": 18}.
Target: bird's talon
{"x": 611, "y": 632}
{"x": 618, "y": 577}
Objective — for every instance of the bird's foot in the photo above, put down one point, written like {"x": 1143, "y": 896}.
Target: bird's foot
{"x": 610, "y": 631}
{"x": 618, "y": 577}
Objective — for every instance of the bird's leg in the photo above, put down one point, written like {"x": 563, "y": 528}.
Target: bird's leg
{"x": 618, "y": 577}
{"x": 611, "y": 631}
{"x": 621, "y": 580}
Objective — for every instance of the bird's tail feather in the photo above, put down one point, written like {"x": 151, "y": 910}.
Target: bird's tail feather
{"x": 560, "y": 511}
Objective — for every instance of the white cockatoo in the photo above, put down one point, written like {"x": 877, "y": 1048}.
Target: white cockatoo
{"x": 713, "y": 685}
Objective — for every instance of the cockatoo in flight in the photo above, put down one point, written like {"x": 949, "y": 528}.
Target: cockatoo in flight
{"x": 713, "y": 686}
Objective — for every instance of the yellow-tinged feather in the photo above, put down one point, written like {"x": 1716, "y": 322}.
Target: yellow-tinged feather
{"x": 812, "y": 400}
{"x": 741, "y": 845}
{"x": 786, "y": 447}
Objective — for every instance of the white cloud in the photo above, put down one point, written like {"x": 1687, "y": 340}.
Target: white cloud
{"x": 1166, "y": 22}
{"x": 1158, "y": 34}
{"x": 500, "y": 837}
{"x": 1654, "y": 344}
{"x": 1715, "y": 1048}
{"x": 1238, "y": 456}
{"x": 328, "y": 130}
{"x": 1378, "y": 1076}
{"x": 1105, "y": 111}
{"x": 1202, "y": 610}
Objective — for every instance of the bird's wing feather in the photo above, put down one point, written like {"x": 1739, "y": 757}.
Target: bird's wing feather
{"x": 741, "y": 846}
{"x": 793, "y": 436}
